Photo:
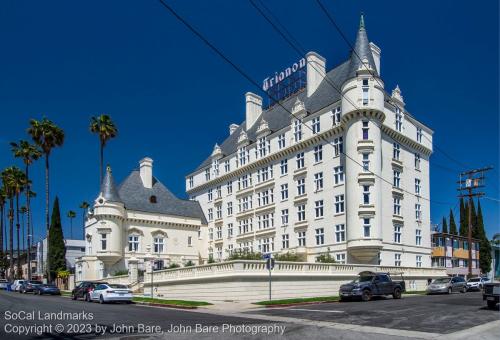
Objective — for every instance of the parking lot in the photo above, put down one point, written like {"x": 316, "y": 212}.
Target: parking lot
{"x": 434, "y": 313}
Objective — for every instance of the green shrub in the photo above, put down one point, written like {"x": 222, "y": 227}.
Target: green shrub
{"x": 210, "y": 259}
{"x": 173, "y": 265}
{"x": 189, "y": 264}
{"x": 120, "y": 272}
{"x": 244, "y": 255}
{"x": 290, "y": 257}
{"x": 325, "y": 258}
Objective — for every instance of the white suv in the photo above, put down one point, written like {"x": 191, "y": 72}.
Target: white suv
{"x": 15, "y": 286}
{"x": 476, "y": 283}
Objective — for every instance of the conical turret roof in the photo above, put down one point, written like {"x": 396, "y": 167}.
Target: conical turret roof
{"x": 362, "y": 52}
{"x": 108, "y": 187}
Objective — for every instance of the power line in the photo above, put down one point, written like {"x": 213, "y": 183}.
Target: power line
{"x": 246, "y": 76}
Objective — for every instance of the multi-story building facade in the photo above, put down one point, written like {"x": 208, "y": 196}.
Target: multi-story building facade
{"x": 452, "y": 252}
{"x": 339, "y": 165}
{"x": 140, "y": 223}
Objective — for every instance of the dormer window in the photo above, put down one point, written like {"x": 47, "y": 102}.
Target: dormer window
{"x": 263, "y": 147}
{"x": 152, "y": 199}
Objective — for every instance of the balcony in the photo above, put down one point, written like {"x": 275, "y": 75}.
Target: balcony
{"x": 109, "y": 257}
{"x": 365, "y": 250}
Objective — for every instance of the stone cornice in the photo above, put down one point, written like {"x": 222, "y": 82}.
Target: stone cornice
{"x": 402, "y": 139}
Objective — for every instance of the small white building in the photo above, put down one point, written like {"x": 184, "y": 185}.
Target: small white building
{"x": 74, "y": 250}
{"x": 140, "y": 221}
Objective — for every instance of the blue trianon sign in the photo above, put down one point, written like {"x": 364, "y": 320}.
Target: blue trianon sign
{"x": 285, "y": 83}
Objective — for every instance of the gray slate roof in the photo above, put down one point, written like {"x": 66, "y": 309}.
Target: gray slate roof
{"x": 108, "y": 187}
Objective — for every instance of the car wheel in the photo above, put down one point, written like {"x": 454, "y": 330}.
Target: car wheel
{"x": 366, "y": 296}
{"x": 87, "y": 298}
{"x": 491, "y": 304}
{"x": 73, "y": 296}
{"x": 464, "y": 290}
{"x": 396, "y": 294}
{"x": 450, "y": 290}
{"x": 101, "y": 299}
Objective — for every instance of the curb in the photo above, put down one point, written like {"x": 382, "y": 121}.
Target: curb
{"x": 164, "y": 305}
{"x": 298, "y": 304}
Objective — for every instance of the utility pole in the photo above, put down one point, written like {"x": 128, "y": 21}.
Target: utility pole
{"x": 469, "y": 184}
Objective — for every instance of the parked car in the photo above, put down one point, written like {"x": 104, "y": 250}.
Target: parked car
{"x": 83, "y": 290}
{"x": 46, "y": 289}
{"x": 111, "y": 293}
{"x": 369, "y": 284}
{"x": 447, "y": 285}
{"x": 491, "y": 294}
{"x": 3, "y": 284}
{"x": 476, "y": 283}
{"x": 28, "y": 286}
{"x": 15, "y": 286}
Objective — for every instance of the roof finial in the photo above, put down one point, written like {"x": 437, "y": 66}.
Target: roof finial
{"x": 362, "y": 21}
{"x": 108, "y": 168}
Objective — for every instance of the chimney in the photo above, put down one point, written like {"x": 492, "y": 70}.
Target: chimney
{"x": 233, "y": 128}
{"x": 376, "y": 56}
{"x": 315, "y": 71}
{"x": 146, "y": 171}
{"x": 253, "y": 108}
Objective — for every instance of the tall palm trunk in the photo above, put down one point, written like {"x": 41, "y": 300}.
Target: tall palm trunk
{"x": 28, "y": 211}
{"x": 18, "y": 227}
{"x": 101, "y": 161}
{"x": 11, "y": 237}
{"x": 83, "y": 224}
{"x": 47, "y": 224}
{"x": 2, "y": 253}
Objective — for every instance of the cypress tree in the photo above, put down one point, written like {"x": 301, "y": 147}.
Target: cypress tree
{"x": 453, "y": 226}
{"x": 474, "y": 217}
{"x": 463, "y": 218}
{"x": 445, "y": 226}
{"x": 484, "y": 243}
{"x": 56, "y": 252}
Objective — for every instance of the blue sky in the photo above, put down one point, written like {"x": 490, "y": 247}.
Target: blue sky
{"x": 172, "y": 98}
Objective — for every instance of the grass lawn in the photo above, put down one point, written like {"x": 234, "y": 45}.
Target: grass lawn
{"x": 171, "y": 302}
{"x": 298, "y": 300}
{"x": 65, "y": 293}
{"x": 418, "y": 292}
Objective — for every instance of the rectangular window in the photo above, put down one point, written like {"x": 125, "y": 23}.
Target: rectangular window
{"x": 418, "y": 237}
{"x": 366, "y": 227}
{"x": 281, "y": 141}
{"x": 229, "y": 187}
{"x": 263, "y": 147}
{"x": 284, "y": 166}
{"x": 365, "y": 89}
{"x": 265, "y": 197}
{"x": 396, "y": 150}
{"x": 215, "y": 166}
{"x": 104, "y": 241}
{"x": 365, "y": 130}
{"x": 318, "y": 153}
{"x": 265, "y": 221}
{"x": 398, "y": 124}
{"x": 230, "y": 230}
{"x": 397, "y": 260}
{"x": 301, "y": 237}
{"x": 339, "y": 204}
{"x": 397, "y": 233}
{"x": 419, "y": 261}
{"x": 210, "y": 214}
{"x": 417, "y": 161}
{"x": 285, "y": 241}
{"x": 210, "y": 195}
{"x": 318, "y": 208}
{"x": 340, "y": 258}
{"x": 244, "y": 182}
{"x": 336, "y": 115}
{"x": 207, "y": 174}
{"x": 338, "y": 173}
{"x": 219, "y": 191}
{"x": 366, "y": 162}
{"x": 218, "y": 232}
{"x": 284, "y": 217}
{"x": 318, "y": 181}
{"x": 243, "y": 156}
{"x": 300, "y": 160}
{"x": 418, "y": 212}
{"x": 245, "y": 226}
{"x": 297, "y": 130}
{"x": 227, "y": 166}
{"x": 244, "y": 203}
{"x": 397, "y": 206}
{"x": 218, "y": 211}
{"x": 190, "y": 241}
{"x": 315, "y": 125}
{"x": 417, "y": 186}
{"x": 366, "y": 194}
{"x": 301, "y": 212}
{"x": 191, "y": 181}
{"x": 301, "y": 186}
{"x": 264, "y": 174}
{"x": 133, "y": 243}
{"x": 397, "y": 178}
{"x": 419, "y": 135}
{"x": 266, "y": 245}
{"x": 340, "y": 233}
{"x": 284, "y": 191}
{"x": 338, "y": 146}
{"x": 158, "y": 244}
{"x": 320, "y": 236}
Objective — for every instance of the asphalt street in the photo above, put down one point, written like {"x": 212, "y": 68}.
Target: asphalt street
{"x": 429, "y": 313}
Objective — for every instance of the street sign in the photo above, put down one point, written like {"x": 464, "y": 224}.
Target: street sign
{"x": 266, "y": 256}
{"x": 270, "y": 264}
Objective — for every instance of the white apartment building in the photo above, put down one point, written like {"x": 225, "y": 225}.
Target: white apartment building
{"x": 140, "y": 223}
{"x": 347, "y": 172}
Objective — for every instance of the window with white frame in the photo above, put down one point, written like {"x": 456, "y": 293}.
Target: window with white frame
{"x": 246, "y": 246}
{"x": 133, "y": 243}
{"x": 300, "y": 160}
{"x": 264, "y": 174}
{"x": 281, "y": 141}
{"x": 396, "y": 150}
{"x": 301, "y": 186}
{"x": 219, "y": 253}
{"x": 285, "y": 241}
{"x": 339, "y": 204}
{"x": 365, "y": 89}
{"x": 284, "y": 191}
{"x": 366, "y": 194}
{"x": 396, "y": 178}
{"x": 284, "y": 166}
{"x": 190, "y": 241}
{"x": 207, "y": 174}
{"x": 366, "y": 227}
{"x": 397, "y": 233}
{"x": 398, "y": 123}
{"x": 365, "y": 129}
{"x": 320, "y": 236}
{"x": 297, "y": 130}
{"x": 210, "y": 214}
{"x": 284, "y": 217}
{"x": 266, "y": 245}
{"x": 227, "y": 166}
{"x": 318, "y": 181}
{"x": 366, "y": 162}
{"x": 215, "y": 166}
{"x": 338, "y": 146}
{"x": 230, "y": 249}
{"x": 318, "y": 153}
{"x": 417, "y": 186}
{"x": 318, "y": 208}
{"x": 336, "y": 115}
{"x": 301, "y": 212}
{"x": 418, "y": 237}
{"x": 265, "y": 197}
{"x": 219, "y": 191}
{"x": 338, "y": 174}
{"x": 230, "y": 230}
{"x": 245, "y": 226}
{"x": 218, "y": 232}
{"x": 210, "y": 195}
{"x": 104, "y": 241}
{"x": 191, "y": 181}
{"x": 417, "y": 161}
{"x": 397, "y": 205}
{"x": 218, "y": 211}
{"x": 263, "y": 147}
{"x": 419, "y": 135}
{"x": 418, "y": 212}
{"x": 243, "y": 156}
{"x": 158, "y": 243}
{"x": 265, "y": 221}
{"x": 229, "y": 208}
{"x": 397, "y": 260}
{"x": 315, "y": 124}
{"x": 340, "y": 233}
{"x": 245, "y": 203}
{"x": 244, "y": 182}
{"x": 418, "y": 261}
{"x": 340, "y": 258}
{"x": 229, "y": 187}
{"x": 301, "y": 238}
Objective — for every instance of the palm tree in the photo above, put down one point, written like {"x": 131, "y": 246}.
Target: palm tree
{"x": 47, "y": 136}
{"x": 106, "y": 129}
{"x": 23, "y": 211}
{"x": 71, "y": 215}
{"x": 9, "y": 180}
{"x": 2, "y": 210}
{"x": 19, "y": 183}
{"x": 28, "y": 153}
{"x": 84, "y": 206}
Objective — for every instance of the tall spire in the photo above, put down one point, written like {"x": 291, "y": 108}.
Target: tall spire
{"x": 108, "y": 187}
{"x": 362, "y": 21}
{"x": 361, "y": 56}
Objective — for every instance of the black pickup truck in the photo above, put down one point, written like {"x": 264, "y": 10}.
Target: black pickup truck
{"x": 369, "y": 284}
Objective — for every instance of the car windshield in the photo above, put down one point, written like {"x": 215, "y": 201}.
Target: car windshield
{"x": 36, "y": 282}
{"x": 442, "y": 280}
{"x": 363, "y": 278}
{"x": 118, "y": 286}
{"x": 475, "y": 279}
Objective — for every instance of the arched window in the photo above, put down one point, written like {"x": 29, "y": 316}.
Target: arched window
{"x": 152, "y": 199}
